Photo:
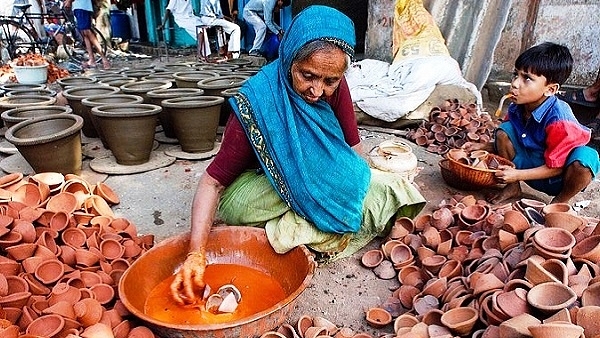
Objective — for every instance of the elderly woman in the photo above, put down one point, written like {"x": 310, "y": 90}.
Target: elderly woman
{"x": 287, "y": 161}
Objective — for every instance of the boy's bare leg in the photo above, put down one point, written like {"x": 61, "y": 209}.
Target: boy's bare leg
{"x": 506, "y": 150}
{"x": 576, "y": 178}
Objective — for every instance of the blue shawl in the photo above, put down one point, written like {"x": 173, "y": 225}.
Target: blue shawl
{"x": 301, "y": 146}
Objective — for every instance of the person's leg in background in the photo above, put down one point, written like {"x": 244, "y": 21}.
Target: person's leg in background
{"x": 260, "y": 29}
{"x": 84, "y": 24}
{"x": 234, "y": 32}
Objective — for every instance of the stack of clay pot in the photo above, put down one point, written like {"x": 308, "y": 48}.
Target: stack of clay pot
{"x": 451, "y": 125}
{"x": 469, "y": 268}
{"x": 62, "y": 253}
{"x": 317, "y": 326}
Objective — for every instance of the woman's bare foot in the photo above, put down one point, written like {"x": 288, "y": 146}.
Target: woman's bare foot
{"x": 105, "y": 64}
{"x": 511, "y": 190}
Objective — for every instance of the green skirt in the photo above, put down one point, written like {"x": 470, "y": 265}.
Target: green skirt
{"x": 251, "y": 201}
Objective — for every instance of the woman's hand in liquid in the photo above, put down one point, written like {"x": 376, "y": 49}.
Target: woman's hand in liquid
{"x": 188, "y": 286}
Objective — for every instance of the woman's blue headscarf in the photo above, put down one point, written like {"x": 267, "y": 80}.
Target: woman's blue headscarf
{"x": 301, "y": 146}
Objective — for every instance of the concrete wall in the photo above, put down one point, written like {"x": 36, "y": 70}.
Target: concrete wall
{"x": 573, "y": 23}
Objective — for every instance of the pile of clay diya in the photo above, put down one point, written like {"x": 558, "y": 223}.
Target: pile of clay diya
{"x": 468, "y": 268}
{"x": 62, "y": 253}
{"x": 451, "y": 125}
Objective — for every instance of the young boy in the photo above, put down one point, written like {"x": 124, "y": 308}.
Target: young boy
{"x": 540, "y": 134}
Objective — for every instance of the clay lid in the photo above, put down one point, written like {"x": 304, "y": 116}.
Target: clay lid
{"x": 35, "y": 91}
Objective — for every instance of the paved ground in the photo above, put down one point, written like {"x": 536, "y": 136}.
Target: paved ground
{"x": 158, "y": 202}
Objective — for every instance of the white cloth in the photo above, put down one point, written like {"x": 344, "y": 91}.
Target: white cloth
{"x": 86, "y": 5}
{"x": 404, "y": 85}
{"x": 183, "y": 14}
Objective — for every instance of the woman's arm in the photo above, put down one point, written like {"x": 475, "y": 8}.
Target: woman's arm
{"x": 189, "y": 280}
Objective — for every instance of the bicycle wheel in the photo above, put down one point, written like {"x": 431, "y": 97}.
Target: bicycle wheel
{"x": 15, "y": 40}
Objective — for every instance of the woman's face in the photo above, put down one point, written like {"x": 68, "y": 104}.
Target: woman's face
{"x": 319, "y": 75}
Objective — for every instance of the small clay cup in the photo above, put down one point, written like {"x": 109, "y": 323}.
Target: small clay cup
{"x": 460, "y": 320}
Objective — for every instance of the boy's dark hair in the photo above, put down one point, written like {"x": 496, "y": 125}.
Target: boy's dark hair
{"x": 286, "y": 3}
{"x": 551, "y": 60}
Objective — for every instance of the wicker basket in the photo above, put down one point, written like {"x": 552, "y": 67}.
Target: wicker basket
{"x": 476, "y": 177}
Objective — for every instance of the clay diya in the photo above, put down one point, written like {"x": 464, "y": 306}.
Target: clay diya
{"x": 554, "y": 239}
{"x": 588, "y": 248}
{"x": 378, "y": 317}
{"x": 556, "y": 330}
{"x": 558, "y": 207}
{"x": 564, "y": 220}
{"x": 49, "y": 271}
{"x": 515, "y": 222}
{"x": 371, "y": 258}
{"x": 402, "y": 227}
{"x": 460, "y": 320}
{"x": 551, "y": 297}
{"x": 442, "y": 218}
{"x": 46, "y": 326}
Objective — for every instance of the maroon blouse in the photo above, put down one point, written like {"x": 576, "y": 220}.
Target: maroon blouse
{"x": 236, "y": 154}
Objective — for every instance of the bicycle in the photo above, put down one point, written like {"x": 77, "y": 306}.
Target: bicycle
{"x": 18, "y": 35}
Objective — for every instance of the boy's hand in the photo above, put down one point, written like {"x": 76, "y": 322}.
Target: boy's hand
{"x": 472, "y": 146}
{"x": 507, "y": 174}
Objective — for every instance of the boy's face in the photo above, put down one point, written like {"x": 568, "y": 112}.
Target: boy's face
{"x": 530, "y": 90}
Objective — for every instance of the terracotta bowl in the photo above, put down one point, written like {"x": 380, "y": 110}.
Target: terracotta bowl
{"x": 247, "y": 246}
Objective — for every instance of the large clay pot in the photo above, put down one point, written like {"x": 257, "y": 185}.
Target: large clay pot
{"x": 11, "y": 86}
{"x": 35, "y": 91}
{"x": 240, "y": 62}
{"x": 141, "y": 88}
{"x": 49, "y": 143}
{"x": 117, "y": 80}
{"x": 10, "y": 102}
{"x": 100, "y": 100}
{"x": 216, "y": 86}
{"x": 129, "y": 130}
{"x": 76, "y": 80}
{"x": 157, "y": 96}
{"x": 74, "y": 95}
{"x": 195, "y": 121}
{"x": 189, "y": 78}
{"x": 161, "y": 76}
{"x": 137, "y": 73}
{"x": 16, "y": 115}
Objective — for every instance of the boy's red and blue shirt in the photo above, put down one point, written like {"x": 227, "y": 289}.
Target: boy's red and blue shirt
{"x": 551, "y": 129}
